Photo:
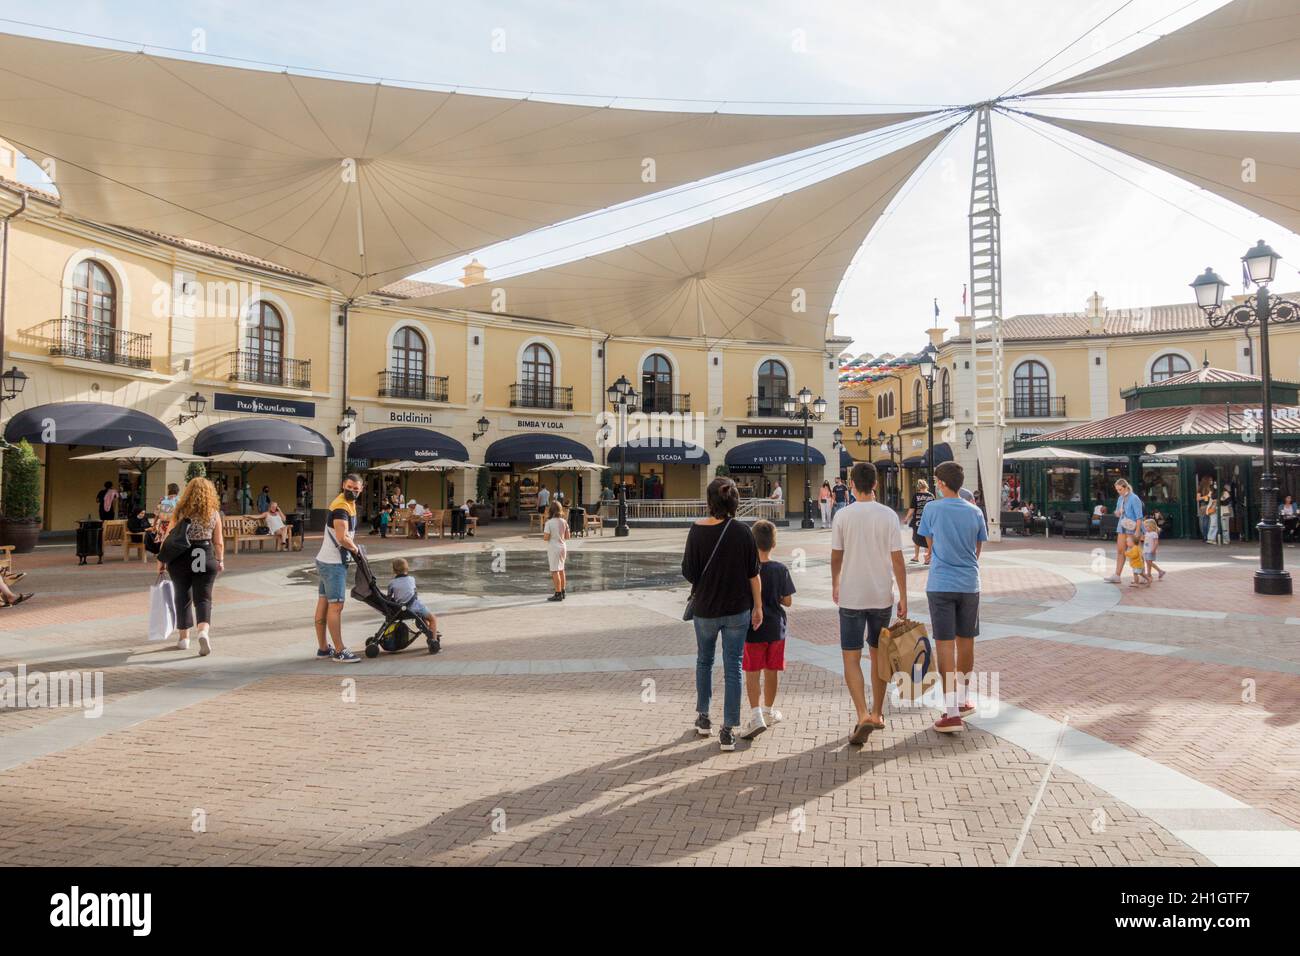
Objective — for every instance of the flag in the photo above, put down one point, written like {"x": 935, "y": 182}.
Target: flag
{"x": 936, "y": 310}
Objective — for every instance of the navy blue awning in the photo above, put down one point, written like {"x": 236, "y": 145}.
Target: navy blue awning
{"x": 942, "y": 453}
{"x": 274, "y": 436}
{"x": 773, "y": 451}
{"x": 407, "y": 443}
{"x": 535, "y": 449}
{"x": 88, "y": 423}
{"x": 886, "y": 464}
{"x": 659, "y": 451}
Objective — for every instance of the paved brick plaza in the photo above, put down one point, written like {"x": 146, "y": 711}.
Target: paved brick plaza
{"x": 548, "y": 734}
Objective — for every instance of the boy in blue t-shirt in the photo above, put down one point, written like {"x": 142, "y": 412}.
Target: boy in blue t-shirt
{"x": 954, "y": 531}
{"x": 765, "y": 647}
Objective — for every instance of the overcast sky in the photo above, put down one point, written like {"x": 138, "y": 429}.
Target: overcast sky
{"x": 1072, "y": 221}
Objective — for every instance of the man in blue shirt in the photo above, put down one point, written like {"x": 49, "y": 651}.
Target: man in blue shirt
{"x": 954, "y": 531}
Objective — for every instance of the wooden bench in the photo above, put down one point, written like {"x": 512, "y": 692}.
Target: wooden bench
{"x": 594, "y": 522}
{"x": 116, "y": 535}
{"x": 536, "y": 520}
{"x": 6, "y": 558}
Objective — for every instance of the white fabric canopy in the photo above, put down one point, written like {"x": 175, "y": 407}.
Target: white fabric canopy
{"x": 1212, "y": 159}
{"x": 1245, "y": 41}
{"x": 1051, "y": 454}
{"x": 741, "y": 275}
{"x": 354, "y": 184}
{"x": 1224, "y": 449}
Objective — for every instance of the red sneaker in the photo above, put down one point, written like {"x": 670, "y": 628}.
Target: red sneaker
{"x": 949, "y": 725}
{"x": 967, "y": 709}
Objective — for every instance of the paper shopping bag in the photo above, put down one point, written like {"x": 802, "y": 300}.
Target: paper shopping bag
{"x": 162, "y": 610}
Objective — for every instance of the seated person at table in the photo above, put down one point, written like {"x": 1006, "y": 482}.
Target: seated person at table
{"x": 468, "y": 508}
{"x": 402, "y": 588}
{"x": 419, "y": 515}
{"x": 276, "y": 525}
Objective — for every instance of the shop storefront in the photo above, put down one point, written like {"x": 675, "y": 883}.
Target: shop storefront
{"x": 60, "y": 431}
{"x": 658, "y": 469}
{"x": 513, "y": 487}
{"x": 1142, "y": 446}
{"x": 283, "y": 482}
{"x": 759, "y": 466}
{"x": 917, "y": 467}
{"x": 406, "y": 443}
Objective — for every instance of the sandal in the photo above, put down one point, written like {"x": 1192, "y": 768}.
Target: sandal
{"x": 864, "y": 730}
{"x": 19, "y": 600}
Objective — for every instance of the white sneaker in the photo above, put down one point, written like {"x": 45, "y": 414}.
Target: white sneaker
{"x": 205, "y": 644}
{"x": 1111, "y": 579}
{"x": 772, "y": 715}
{"x": 755, "y": 726}
{"x": 183, "y": 644}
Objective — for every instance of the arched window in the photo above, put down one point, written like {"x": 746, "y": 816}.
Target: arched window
{"x": 538, "y": 377}
{"x": 656, "y": 384}
{"x": 773, "y": 387}
{"x": 407, "y": 365}
{"x": 264, "y": 344}
{"x": 1030, "y": 397}
{"x": 945, "y": 395}
{"x": 94, "y": 310}
{"x": 918, "y": 397}
{"x": 1169, "y": 365}
{"x": 885, "y": 405}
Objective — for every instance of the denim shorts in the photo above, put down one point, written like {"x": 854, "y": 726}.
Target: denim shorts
{"x": 417, "y": 608}
{"x": 953, "y": 614}
{"x": 854, "y": 624}
{"x": 333, "y": 582}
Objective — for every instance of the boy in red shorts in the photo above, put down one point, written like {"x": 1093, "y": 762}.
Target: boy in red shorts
{"x": 765, "y": 648}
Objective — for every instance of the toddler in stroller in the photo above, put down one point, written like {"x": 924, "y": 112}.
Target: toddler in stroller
{"x": 399, "y": 605}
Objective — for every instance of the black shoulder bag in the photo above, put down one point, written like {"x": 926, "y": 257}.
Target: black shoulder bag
{"x": 177, "y": 542}
{"x": 689, "y": 613}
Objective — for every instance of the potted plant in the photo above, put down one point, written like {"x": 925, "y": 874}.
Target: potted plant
{"x": 22, "y": 498}
{"x": 196, "y": 469}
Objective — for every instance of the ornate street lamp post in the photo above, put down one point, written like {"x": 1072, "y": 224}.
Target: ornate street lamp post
{"x": 802, "y": 407}
{"x": 926, "y": 368}
{"x": 622, "y": 396}
{"x": 1261, "y": 266}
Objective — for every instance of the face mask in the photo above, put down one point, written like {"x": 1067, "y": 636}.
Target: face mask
{"x": 349, "y": 494}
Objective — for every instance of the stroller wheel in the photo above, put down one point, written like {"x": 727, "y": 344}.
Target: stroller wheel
{"x": 372, "y": 650}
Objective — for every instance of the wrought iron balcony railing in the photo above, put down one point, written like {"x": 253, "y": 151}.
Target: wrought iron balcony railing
{"x": 916, "y": 418}
{"x": 660, "y": 402}
{"x": 93, "y": 342}
{"x": 263, "y": 369}
{"x": 529, "y": 395}
{"x": 425, "y": 388}
{"x": 1036, "y": 406}
{"x": 767, "y": 406}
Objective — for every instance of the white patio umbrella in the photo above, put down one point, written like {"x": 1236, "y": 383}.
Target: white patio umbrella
{"x": 442, "y": 466}
{"x": 574, "y": 465}
{"x": 1224, "y": 449}
{"x": 143, "y": 457}
{"x": 245, "y": 460}
{"x": 1051, "y": 453}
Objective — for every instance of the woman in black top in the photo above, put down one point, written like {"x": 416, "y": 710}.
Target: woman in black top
{"x": 721, "y": 562}
{"x": 913, "y": 519}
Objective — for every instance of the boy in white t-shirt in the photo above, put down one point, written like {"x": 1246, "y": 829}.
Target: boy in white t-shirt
{"x": 866, "y": 564}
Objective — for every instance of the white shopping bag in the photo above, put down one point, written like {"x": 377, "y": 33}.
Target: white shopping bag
{"x": 162, "y": 610}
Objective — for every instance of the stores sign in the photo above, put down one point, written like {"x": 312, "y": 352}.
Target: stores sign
{"x": 248, "y": 404}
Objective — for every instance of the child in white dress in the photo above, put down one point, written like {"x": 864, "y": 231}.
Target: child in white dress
{"x": 555, "y": 533}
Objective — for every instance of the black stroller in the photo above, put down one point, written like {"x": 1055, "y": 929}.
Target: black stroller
{"x": 395, "y": 634}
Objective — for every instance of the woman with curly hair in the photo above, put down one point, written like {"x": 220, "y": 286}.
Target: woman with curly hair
{"x": 195, "y": 570}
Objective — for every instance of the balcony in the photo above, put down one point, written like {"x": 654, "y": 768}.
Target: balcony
{"x": 917, "y": 417}
{"x": 261, "y": 369}
{"x": 1036, "y": 406}
{"x": 767, "y": 406}
{"x": 665, "y": 402}
{"x": 530, "y": 395}
{"x": 424, "y": 388}
{"x": 93, "y": 342}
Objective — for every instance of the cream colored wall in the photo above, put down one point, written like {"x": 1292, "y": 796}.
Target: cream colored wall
{"x": 68, "y": 488}
{"x": 368, "y": 337}
{"x": 690, "y": 362}
{"x": 38, "y": 258}
{"x": 501, "y": 362}
{"x": 740, "y": 366}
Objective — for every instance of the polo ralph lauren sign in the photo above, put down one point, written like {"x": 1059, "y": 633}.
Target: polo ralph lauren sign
{"x": 249, "y": 404}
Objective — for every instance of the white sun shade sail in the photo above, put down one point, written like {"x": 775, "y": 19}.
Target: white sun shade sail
{"x": 1245, "y": 41}
{"x": 354, "y": 184}
{"x": 1214, "y": 160}
{"x": 768, "y": 272}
